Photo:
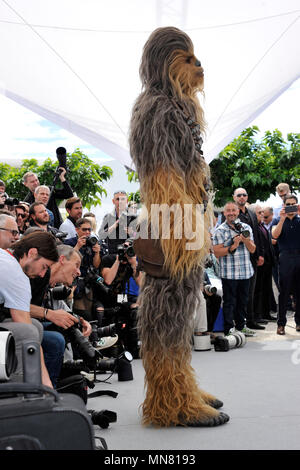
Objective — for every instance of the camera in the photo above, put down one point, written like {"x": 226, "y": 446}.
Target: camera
{"x": 91, "y": 241}
{"x": 8, "y": 358}
{"x": 234, "y": 340}
{"x": 239, "y": 229}
{"x": 121, "y": 365}
{"x": 209, "y": 289}
{"x": 60, "y": 235}
{"x": 61, "y": 155}
{"x": 9, "y": 201}
{"x": 111, "y": 330}
{"x": 61, "y": 292}
{"x": 92, "y": 278}
{"x": 123, "y": 250}
{"x": 82, "y": 344}
{"x": 291, "y": 209}
{"x": 73, "y": 334}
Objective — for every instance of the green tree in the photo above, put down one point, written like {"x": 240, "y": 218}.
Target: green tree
{"x": 85, "y": 177}
{"x": 133, "y": 177}
{"x": 256, "y": 165}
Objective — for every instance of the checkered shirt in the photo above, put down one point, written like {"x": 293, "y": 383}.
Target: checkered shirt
{"x": 237, "y": 265}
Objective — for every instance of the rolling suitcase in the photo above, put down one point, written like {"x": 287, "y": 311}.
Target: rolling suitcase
{"x": 33, "y": 416}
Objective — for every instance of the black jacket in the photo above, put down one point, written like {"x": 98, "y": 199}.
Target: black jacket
{"x": 266, "y": 243}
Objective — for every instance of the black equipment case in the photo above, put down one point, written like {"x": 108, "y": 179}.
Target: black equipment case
{"x": 33, "y": 416}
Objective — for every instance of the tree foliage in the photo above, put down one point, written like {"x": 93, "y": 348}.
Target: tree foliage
{"x": 133, "y": 177}
{"x": 85, "y": 177}
{"x": 257, "y": 166}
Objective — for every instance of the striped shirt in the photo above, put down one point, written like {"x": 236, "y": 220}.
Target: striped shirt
{"x": 238, "y": 264}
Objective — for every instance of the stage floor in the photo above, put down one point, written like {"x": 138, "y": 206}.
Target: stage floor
{"x": 259, "y": 385}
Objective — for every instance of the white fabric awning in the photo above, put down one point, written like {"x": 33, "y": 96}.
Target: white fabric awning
{"x": 75, "y": 62}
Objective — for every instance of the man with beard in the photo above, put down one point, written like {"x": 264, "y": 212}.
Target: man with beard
{"x": 42, "y": 194}
{"x": 27, "y": 258}
{"x": 31, "y": 181}
{"x": 74, "y": 210}
{"x": 233, "y": 250}
{"x": 39, "y": 217}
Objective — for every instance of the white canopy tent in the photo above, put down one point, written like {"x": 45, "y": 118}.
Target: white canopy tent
{"x": 75, "y": 62}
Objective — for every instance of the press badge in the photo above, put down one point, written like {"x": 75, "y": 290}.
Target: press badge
{"x": 121, "y": 298}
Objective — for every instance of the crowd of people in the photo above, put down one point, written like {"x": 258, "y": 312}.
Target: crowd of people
{"x": 252, "y": 247}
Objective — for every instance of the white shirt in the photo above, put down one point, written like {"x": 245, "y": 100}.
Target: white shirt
{"x": 69, "y": 227}
{"x": 15, "y": 289}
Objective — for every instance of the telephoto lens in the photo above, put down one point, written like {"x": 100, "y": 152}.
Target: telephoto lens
{"x": 209, "y": 289}
{"x": 234, "y": 340}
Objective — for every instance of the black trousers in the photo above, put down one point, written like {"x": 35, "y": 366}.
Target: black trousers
{"x": 235, "y": 298}
{"x": 289, "y": 282}
{"x": 250, "y": 306}
{"x": 263, "y": 291}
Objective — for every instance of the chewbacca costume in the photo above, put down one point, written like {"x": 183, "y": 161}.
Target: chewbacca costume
{"x": 165, "y": 144}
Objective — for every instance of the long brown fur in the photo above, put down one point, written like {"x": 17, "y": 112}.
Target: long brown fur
{"x": 163, "y": 186}
{"x": 173, "y": 396}
{"x": 171, "y": 171}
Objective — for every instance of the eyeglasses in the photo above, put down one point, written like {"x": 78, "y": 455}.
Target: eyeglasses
{"x": 13, "y": 232}
{"x": 260, "y": 212}
{"x": 21, "y": 215}
{"x": 282, "y": 195}
{"x": 86, "y": 229}
{"x": 242, "y": 194}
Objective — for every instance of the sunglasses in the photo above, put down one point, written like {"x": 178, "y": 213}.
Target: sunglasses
{"x": 266, "y": 216}
{"x": 282, "y": 195}
{"x": 21, "y": 215}
{"x": 13, "y": 232}
{"x": 242, "y": 194}
{"x": 290, "y": 204}
{"x": 86, "y": 229}
{"x": 260, "y": 212}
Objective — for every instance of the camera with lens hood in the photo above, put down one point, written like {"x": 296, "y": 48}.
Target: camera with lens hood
{"x": 8, "y": 358}
{"x": 233, "y": 340}
{"x": 239, "y": 229}
{"x": 9, "y": 201}
{"x": 125, "y": 249}
{"x": 73, "y": 334}
{"x": 209, "y": 289}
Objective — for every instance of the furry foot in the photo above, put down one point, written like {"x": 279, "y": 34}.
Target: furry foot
{"x": 215, "y": 403}
{"x": 209, "y": 421}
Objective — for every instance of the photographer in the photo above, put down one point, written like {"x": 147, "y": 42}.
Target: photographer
{"x": 6, "y": 202}
{"x": 213, "y": 301}
{"x": 233, "y": 244}
{"x": 29, "y": 257}
{"x": 74, "y": 209}
{"x": 86, "y": 303}
{"x": 20, "y": 218}
{"x": 286, "y": 230}
{"x": 39, "y": 217}
{"x": 42, "y": 194}
{"x": 116, "y": 271}
{"x": 31, "y": 181}
{"x": 64, "y": 271}
{"x": 88, "y": 246}
{"x": 115, "y": 228}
